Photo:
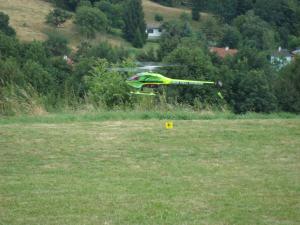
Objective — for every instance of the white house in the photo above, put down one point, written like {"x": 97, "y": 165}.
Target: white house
{"x": 296, "y": 52}
{"x": 154, "y": 32}
{"x": 281, "y": 58}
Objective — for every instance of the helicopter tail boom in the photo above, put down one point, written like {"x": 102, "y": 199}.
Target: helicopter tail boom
{"x": 190, "y": 82}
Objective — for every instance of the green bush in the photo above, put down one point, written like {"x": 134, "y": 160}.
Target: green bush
{"x": 288, "y": 87}
{"x": 113, "y": 12}
{"x": 194, "y": 65}
{"x": 4, "y": 25}
{"x": 90, "y": 20}
{"x": 9, "y": 46}
{"x": 107, "y": 88}
{"x": 36, "y": 52}
{"x": 104, "y": 50}
{"x": 37, "y": 77}
{"x": 57, "y": 17}
{"x": 57, "y": 44}
{"x": 158, "y": 17}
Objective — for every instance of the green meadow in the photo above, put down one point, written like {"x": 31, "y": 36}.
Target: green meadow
{"x": 64, "y": 169}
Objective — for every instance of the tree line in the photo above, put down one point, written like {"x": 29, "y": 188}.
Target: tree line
{"x": 38, "y": 74}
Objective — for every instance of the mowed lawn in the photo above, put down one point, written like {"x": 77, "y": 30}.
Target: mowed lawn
{"x": 137, "y": 172}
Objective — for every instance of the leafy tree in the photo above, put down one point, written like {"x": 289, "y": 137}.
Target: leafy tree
{"x": 281, "y": 13}
{"x": 107, "y": 87}
{"x": 84, "y": 3}
{"x": 135, "y": 26}
{"x": 81, "y": 69}
{"x": 37, "y": 76}
{"x": 4, "y": 25}
{"x": 212, "y": 28}
{"x": 9, "y": 46}
{"x": 137, "y": 41}
{"x": 60, "y": 72}
{"x": 251, "y": 59}
{"x": 113, "y": 12}
{"x": 231, "y": 38}
{"x": 244, "y": 5}
{"x": 196, "y": 5}
{"x": 69, "y": 4}
{"x": 293, "y": 42}
{"x": 174, "y": 32}
{"x": 253, "y": 93}
{"x": 57, "y": 16}
{"x": 149, "y": 55}
{"x": 288, "y": 87}
{"x": 255, "y": 32}
{"x": 57, "y": 44}
{"x": 248, "y": 82}
{"x": 35, "y": 51}
{"x": 169, "y": 2}
{"x": 227, "y": 9}
{"x": 167, "y": 44}
{"x": 195, "y": 65}
{"x": 89, "y": 20}
{"x": 105, "y": 51}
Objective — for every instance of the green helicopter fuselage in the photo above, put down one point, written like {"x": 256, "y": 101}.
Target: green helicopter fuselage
{"x": 151, "y": 80}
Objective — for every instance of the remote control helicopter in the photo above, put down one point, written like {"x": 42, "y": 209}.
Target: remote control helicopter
{"x": 151, "y": 80}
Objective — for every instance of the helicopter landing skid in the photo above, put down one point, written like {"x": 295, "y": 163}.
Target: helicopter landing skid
{"x": 142, "y": 93}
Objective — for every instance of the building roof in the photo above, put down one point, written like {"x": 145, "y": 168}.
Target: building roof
{"x": 223, "y": 52}
{"x": 296, "y": 52}
{"x": 153, "y": 27}
{"x": 281, "y": 53}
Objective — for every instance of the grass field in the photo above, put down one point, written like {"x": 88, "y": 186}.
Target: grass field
{"x": 218, "y": 171}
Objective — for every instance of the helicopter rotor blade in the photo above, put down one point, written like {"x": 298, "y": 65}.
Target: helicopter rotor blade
{"x": 121, "y": 69}
{"x": 143, "y": 68}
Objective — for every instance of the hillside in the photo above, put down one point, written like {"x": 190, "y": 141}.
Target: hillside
{"x": 28, "y": 20}
{"x": 152, "y": 8}
{"x": 27, "y": 17}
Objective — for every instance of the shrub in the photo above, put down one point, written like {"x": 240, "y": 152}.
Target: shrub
{"x": 107, "y": 87}
{"x": 90, "y": 20}
{"x": 57, "y": 16}
{"x": 4, "y": 25}
{"x": 288, "y": 87}
{"x": 57, "y": 44}
{"x": 105, "y": 51}
{"x": 158, "y": 17}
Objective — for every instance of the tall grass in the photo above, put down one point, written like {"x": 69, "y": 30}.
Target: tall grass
{"x": 25, "y": 105}
{"x": 15, "y": 100}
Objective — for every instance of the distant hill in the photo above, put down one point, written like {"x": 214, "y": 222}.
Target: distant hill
{"x": 29, "y": 20}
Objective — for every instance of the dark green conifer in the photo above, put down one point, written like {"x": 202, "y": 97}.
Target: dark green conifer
{"x": 134, "y": 23}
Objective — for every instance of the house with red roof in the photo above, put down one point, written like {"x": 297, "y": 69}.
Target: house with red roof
{"x": 223, "y": 52}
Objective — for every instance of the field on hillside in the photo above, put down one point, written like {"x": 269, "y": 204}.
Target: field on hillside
{"x": 168, "y": 13}
{"x": 136, "y": 172}
{"x": 28, "y": 19}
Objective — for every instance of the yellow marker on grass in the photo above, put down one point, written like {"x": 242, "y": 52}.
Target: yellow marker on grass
{"x": 169, "y": 125}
